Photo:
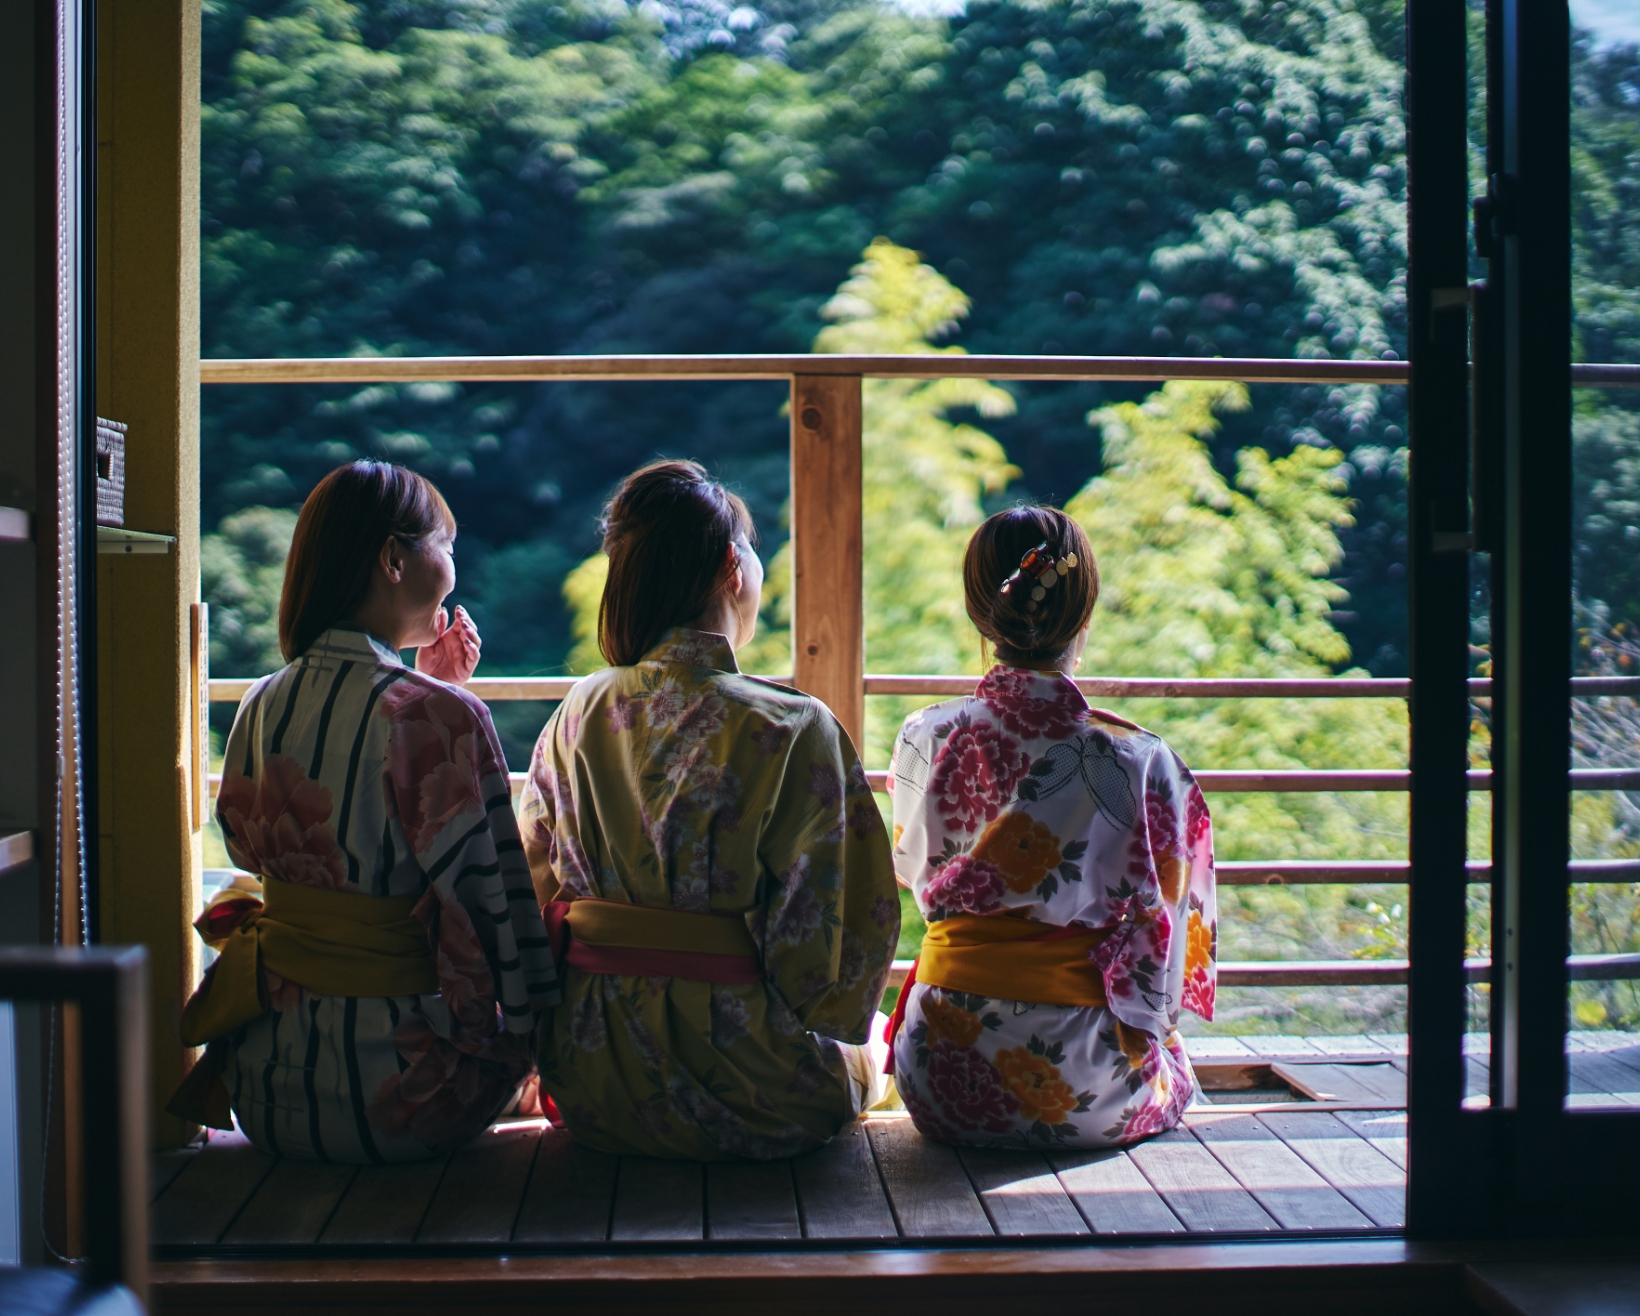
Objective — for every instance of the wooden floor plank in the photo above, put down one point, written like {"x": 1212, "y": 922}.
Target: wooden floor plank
{"x": 658, "y": 1201}
{"x": 200, "y": 1205}
{"x": 163, "y": 1168}
{"x": 1273, "y": 1045}
{"x": 1344, "y": 1082}
{"x": 1217, "y": 1048}
{"x": 1279, "y": 1179}
{"x": 1597, "y": 1075}
{"x": 926, "y": 1183}
{"x": 293, "y": 1204}
{"x": 570, "y": 1194}
{"x": 1373, "y": 1183}
{"x": 751, "y": 1201}
{"x": 483, "y": 1186}
{"x": 1385, "y": 1130}
{"x": 386, "y": 1203}
{"x": 1197, "y": 1189}
{"x": 1111, "y": 1194}
{"x": 1360, "y": 1045}
{"x": 1020, "y": 1193}
{"x": 839, "y": 1193}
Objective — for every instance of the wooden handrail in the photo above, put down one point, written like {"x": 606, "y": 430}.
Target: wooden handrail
{"x": 1389, "y": 780}
{"x": 744, "y": 366}
{"x": 550, "y": 688}
{"x": 638, "y": 368}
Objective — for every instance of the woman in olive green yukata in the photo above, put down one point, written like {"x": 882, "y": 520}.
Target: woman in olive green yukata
{"x": 713, "y": 868}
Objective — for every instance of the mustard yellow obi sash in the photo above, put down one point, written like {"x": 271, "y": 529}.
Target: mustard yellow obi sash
{"x": 334, "y": 943}
{"x": 1009, "y": 959}
{"x": 1012, "y": 959}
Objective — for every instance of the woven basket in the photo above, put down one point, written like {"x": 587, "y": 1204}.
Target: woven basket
{"x": 110, "y": 472}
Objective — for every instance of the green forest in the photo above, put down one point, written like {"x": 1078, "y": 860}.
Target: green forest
{"x": 1149, "y": 177}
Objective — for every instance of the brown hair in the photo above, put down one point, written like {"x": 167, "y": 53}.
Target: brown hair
{"x": 667, "y": 532}
{"x": 994, "y": 554}
{"x": 339, "y": 535}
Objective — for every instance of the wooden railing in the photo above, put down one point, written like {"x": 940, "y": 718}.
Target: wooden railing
{"x": 828, "y": 624}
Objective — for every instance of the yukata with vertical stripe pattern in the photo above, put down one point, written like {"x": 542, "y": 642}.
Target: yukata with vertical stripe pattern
{"x": 349, "y": 771}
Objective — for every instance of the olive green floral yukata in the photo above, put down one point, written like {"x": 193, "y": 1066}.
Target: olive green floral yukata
{"x": 679, "y": 783}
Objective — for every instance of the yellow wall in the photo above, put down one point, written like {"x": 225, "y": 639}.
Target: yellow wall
{"x": 148, "y": 376}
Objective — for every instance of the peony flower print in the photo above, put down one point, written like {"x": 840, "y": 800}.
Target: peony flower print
{"x": 975, "y": 773}
{"x": 1024, "y": 850}
{"x": 279, "y": 825}
{"x": 1043, "y": 1096}
{"x": 1033, "y": 705}
{"x": 947, "y": 1022}
{"x": 968, "y": 885}
{"x": 968, "y": 1090}
{"x": 435, "y": 760}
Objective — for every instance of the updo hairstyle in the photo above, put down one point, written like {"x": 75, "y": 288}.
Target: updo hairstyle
{"x": 1022, "y": 635}
{"x": 339, "y": 535}
{"x": 667, "y": 533}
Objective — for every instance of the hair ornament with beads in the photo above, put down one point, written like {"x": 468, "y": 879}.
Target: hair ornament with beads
{"x": 1042, "y": 570}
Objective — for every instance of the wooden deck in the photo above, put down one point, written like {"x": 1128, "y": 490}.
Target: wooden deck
{"x": 1258, "y": 1160}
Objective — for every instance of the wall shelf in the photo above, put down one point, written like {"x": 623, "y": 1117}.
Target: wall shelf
{"x": 15, "y": 848}
{"x": 113, "y": 540}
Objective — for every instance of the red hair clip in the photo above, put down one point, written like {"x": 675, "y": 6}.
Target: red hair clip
{"x": 1043, "y": 570}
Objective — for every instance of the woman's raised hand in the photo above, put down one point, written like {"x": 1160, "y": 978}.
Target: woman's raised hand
{"x": 454, "y": 654}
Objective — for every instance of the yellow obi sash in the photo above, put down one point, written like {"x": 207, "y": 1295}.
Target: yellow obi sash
{"x": 1012, "y": 959}
{"x": 334, "y": 943}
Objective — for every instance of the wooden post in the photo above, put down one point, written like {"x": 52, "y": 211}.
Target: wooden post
{"x": 148, "y": 71}
{"x": 828, "y": 611}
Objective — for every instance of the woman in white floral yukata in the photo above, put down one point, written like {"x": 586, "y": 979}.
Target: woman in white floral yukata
{"x": 710, "y": 859}
{"x": 383, "y": 966}
{"x": 1063, "y": 859}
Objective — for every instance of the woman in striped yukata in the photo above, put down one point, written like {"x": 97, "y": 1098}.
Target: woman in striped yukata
{"x": 383, "y": 965}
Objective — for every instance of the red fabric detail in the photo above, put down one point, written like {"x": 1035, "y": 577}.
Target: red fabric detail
{"x": 725, "y": 969}
{"x": 550, "y": 1107}
{"x": 698, "y": 966}
{"x": 896, "y": 1021}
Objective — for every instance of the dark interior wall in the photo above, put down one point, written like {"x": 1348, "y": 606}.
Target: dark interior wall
{"x": 21, "y": 303}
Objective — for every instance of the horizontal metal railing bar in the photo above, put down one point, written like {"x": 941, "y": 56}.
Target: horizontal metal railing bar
{"x": 1605, "y": 375}
{"x": 1354, "y": 872}
{"x": 1132, "y": 369}
{"x": 546, "y": 688}
{"x": 737, "y": 366}
{"x": 1385, "y": 779}
{"x": 1367, "y": 973}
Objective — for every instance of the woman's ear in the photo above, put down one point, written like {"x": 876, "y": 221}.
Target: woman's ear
{"x": 391, "y": 560}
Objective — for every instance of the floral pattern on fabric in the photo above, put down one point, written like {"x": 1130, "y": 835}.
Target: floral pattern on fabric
{"x": 679, "y": 783}
{"x": 1022, "y": 800}
{"x": 348, "y": 771}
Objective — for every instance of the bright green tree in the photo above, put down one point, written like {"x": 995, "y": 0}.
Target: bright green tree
{"x": 1202, "y": 577}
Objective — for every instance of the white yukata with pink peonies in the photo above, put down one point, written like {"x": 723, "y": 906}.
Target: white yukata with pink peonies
{"x": 1023, "y": 801}
{"x": 349, "y": 771}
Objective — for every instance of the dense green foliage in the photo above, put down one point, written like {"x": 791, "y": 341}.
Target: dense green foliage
{"x": 1155, "y": 177}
